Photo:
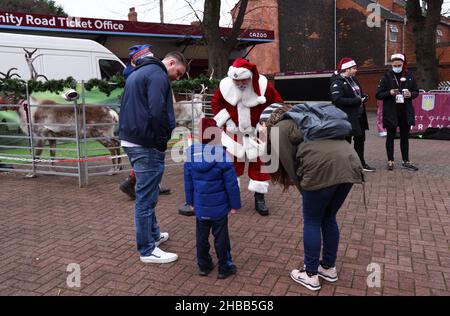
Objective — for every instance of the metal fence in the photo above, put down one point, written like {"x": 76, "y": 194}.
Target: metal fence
{"x": 77, "y": 153}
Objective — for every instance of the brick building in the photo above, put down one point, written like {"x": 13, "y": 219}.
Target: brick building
{"x": 312, "y": 35}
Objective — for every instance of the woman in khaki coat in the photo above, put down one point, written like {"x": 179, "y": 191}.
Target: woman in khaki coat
{"x": 324, "y": 171}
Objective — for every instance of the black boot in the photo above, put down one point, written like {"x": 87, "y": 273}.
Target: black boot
{"x": 260, "y": 204}
{"x": 186, "y": 210}
{"x": 127, "y": 187}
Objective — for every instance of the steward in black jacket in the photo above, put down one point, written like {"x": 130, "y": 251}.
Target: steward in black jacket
{"x": 347, "y": 95}
{"x": 397, "y": 88}
{"x": 350, "y": 101}
{"x": 392, "y": 110}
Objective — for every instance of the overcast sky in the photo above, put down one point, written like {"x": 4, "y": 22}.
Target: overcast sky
{"x": 175, "y": 11}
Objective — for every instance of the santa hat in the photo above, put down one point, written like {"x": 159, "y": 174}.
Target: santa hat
{"x": 243, "y": 69}
{"x": 401, "y": 57}
{"x": 206, "y": 123}
{"x": 138, "y": 52}
{"x": 345, "y": 63}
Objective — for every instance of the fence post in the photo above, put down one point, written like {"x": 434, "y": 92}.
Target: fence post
{"x": 191, "y": 136}
{"x": 83, "y": 99}
{"x": 81, "y": 178}
{"x": 30, "y": 134}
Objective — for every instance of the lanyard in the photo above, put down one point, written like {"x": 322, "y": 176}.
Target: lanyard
{"x": 396, "y": 81}
{"x": 356, "y": 91}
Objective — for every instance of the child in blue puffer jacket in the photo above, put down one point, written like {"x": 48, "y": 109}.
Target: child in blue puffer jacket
{"x": 211, "y": 187}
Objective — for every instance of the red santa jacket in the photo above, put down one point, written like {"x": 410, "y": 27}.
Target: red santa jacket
{"x": 224, "y": 103}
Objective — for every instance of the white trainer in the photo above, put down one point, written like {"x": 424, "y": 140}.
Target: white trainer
{"x": 329, "y": 275}
{"x": 159, "y": 256}
{"x": 310, "y": 282}
{"x": 163, "y": 237}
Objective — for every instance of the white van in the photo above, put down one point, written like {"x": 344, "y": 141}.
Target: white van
{"x": 57, "y": 57}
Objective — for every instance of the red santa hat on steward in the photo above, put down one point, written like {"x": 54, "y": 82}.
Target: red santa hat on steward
{"x": 243, "y": 69}
{"x": 345, "y": 63}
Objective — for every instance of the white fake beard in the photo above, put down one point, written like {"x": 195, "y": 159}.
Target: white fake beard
{"x": 246, "y": 96}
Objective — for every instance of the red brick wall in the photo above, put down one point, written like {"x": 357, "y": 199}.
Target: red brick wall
{"x": 263, "y": 14}
{"x": 369, "y": 82}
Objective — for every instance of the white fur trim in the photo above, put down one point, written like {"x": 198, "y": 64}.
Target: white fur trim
{"x": 261, "y": 99}
{"x": 221, "y": 117}
{"x": 244, "y": 117}
{"x": 232, "y": 95}
{"x": 398, "y": 56}
{"x": 231, "y": 127}
{"x": 233, "y": 147}
{"x": 239, "y": 73}
{"x": 348, "y": 64}
{"x": 258, "y": 186}
{"x": 259, "y": 128}
{"x": 253, "y": 147}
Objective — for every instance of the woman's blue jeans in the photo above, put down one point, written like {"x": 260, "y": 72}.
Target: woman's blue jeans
{"x": 319, "y": 221}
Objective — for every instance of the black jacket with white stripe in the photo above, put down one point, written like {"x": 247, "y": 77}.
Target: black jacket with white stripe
{"x": 343, "y": 97}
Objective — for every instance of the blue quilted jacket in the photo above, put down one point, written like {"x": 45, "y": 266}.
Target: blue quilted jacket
{"x": 210, "y": 182}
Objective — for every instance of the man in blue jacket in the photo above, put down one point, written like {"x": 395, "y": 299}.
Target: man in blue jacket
{"x": 137, "y": 52}
{"x": 146, "y": 122}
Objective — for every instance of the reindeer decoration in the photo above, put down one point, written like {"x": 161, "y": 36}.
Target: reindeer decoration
{"x": 187, "y": 111}
{"x": 8, "y": 75}
{"x": 30, "y": 59}
{"x": 47, "y": 124}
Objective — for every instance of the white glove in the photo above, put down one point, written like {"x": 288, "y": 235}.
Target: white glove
{"x": 231, "y": 127}
{"x": 259, "y": 129}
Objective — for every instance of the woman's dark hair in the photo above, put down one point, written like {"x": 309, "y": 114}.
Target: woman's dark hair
{"x": 280, "y": 176}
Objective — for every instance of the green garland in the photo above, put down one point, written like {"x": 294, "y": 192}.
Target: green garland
{"x": 195, "y": 85}
{"x": 17, "y": 87}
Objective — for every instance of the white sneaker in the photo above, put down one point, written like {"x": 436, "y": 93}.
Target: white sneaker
{"x": 329, "y": 275}
{"x": 159, "y": 256}
{"x": 163, "y": 237}
{"x": 310, "y": 282}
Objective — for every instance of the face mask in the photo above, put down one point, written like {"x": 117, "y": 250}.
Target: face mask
{"x": 397, "y": 70}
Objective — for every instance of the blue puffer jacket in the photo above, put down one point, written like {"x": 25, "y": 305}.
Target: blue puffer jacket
{"x": 210, "y": 182}
{"x": 146, "y": 112}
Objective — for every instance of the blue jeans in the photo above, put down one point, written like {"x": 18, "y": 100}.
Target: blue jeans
{"x": 222, "y": 245}
{"x": 148, "y": 165}
{"x": 319, "y": 220}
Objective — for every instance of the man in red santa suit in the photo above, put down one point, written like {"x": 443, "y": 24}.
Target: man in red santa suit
{"x": 237, "y": 106}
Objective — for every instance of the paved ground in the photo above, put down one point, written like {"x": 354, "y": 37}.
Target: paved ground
{"x": 48, "y": 223}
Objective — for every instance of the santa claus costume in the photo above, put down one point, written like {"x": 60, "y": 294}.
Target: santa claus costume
{"x": 237, "y": 108}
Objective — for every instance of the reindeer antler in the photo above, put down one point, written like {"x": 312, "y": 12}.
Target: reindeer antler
{"x": 8, "y": 74}
{"x": 30, "y": 54}
{"x": 204, "y": 88}
{"x": 188, "y": 67}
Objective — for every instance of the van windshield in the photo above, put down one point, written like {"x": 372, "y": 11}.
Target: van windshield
{"x": 109, "y": 68}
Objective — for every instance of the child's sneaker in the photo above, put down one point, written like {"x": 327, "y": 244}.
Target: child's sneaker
{"x": 226, "y": 273}
{"x": 163, "y": 237}
{"x": 206, "y": 271}
{"x": 329, "y": 274}
{"x": 310, "y": 281}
